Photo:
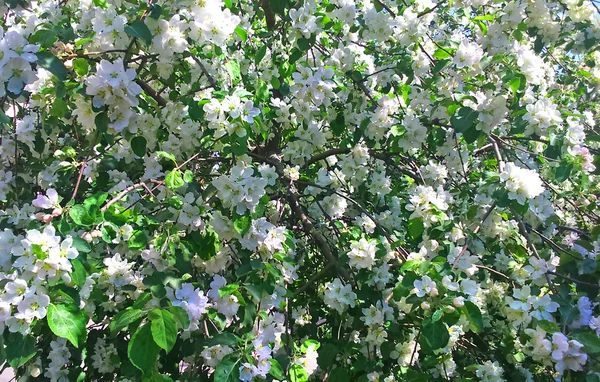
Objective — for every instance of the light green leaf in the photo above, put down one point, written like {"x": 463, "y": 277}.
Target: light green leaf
{"x": 174, "y": 180}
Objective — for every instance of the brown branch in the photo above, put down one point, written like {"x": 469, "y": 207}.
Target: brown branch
{"x": 211, "y": 81}
{"x": 152, "y": 93}
{"x": 386, "y": 8}
{"x": 83, "y": 164}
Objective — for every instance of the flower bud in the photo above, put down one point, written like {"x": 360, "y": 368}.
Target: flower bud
{"x": 459, "y": 302}
{"x": 46, "y": 218}
{"x": 35, "y": 372}
{"x": 425, "y": 305}
{"x": 56, "y": 212}
{"x": 87, "y": 237}
{"x": 96, "y": 233}
{"x": 434, "y": 292}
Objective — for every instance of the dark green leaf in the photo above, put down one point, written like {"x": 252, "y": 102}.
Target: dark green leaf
{"x": 51, "y": 63}
{"x": 142, "y": 350}
{"x": 473, "y": 313}
{"x": 227, "y": 371}
{"x": 464, "y": 119}
{"x": 138, "y": 146}
{"x": 563, "y": 171}
{"x": 415, "y": 228}
{"x": 101, "y": 122}
{"x": 589, "y": 340}
{"x": 436, "y": 334}
{"x": 19, "y": 349}
{"x": 139, "y": 29}
{"x": 125, "y": 317}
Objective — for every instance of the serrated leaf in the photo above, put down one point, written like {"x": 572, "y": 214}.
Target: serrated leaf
{"x": 67, "y": 321}
{"x": 174, "y": 180}
{"x": 164, "y": 328}
{"x": 142, "y": 350}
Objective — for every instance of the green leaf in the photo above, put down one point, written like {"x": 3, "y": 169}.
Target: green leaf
{"x": 174, "y": 180}
{"x": 164, "y": 328}
{"x": 298, "y": 373}
{"x": 67, "y": 321}
{"x": 165, "y": 154}
{"x": 138, "y": 29}
{"x": 81, "y": 245}
{"x": 228, "y": 339}
{"x": 339, "y": 375}
{"x": 101, "y": 122}
{"x": 181, "y": 316}
{"x": 549, "y": 326}
{"x": 563, "y": 171}
{"x": 436, "y": 334}
{"x": 46, "y": 38}
{"x": 51, "y": 63}
{"x": 19, "y": 349}
{"x": 276, "y": 370}
{"x": 138, "y": 240}
{"x": 473, "y": 313}
{"x": 79, "y": 273}
{"x": 138, "y": 146}
{"x": 188, "y": 176}
{"x": 81, "y": 66}
{"x": 260, "y": 54}
{"x": 310, "y": 343}
{"x": 242, "y": 224}
{"x": 122, "y": 319}
{"x": 227, "y": 370}
{"x": 233, "y": 68}
{"x": 156, "y": 377}
{"x": 241, "y": 32}
{"x": 228, "y": 289}
{"x": 415, "y": 228}
{"x": 464, "y": 119}
{"x": 142, "y": 350}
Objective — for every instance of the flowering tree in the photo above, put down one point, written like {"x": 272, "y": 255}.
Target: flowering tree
{"x": 333, "y": 190}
